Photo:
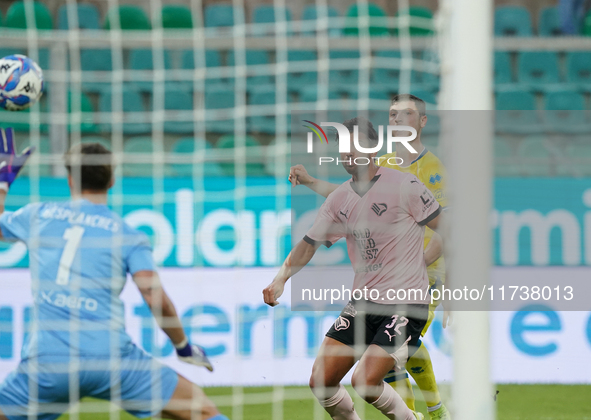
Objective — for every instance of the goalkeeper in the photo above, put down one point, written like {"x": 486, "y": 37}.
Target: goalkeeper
{"x": 80, "y": 253}
{"x": 409, "y": 110}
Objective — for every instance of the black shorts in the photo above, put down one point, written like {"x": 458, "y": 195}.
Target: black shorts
{"x": 394, "y": 328}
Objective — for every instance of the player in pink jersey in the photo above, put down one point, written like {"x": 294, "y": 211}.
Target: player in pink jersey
{"x": 382, "y": 213}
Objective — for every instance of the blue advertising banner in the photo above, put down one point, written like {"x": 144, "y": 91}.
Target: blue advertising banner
{"x": 226, "y": 222}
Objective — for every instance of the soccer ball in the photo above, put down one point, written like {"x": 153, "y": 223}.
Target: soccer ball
{"x": 21, "y": 82}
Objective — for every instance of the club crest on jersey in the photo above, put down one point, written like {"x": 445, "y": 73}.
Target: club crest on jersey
{"x": 434, "y": 179}
{"x": 379, "y": 208}
{"x": 341, "y": 323}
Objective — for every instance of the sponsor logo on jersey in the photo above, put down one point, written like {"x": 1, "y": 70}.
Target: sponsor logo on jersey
{"x": 379, "y": 208}
{"x": 350, "y": 310}
{"x": 341, "y": 323}
{"x": 434, "y": 179}
{"x": 345, "y": 214}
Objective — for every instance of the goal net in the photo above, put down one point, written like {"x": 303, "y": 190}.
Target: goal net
{"x": 200, "y": 102}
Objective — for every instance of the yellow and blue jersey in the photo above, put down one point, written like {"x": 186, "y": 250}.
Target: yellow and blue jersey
{"x": 431, "y": 172}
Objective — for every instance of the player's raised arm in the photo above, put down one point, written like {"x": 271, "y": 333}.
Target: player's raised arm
{"x": 10, "y": 164}
{"x": 299, "y": 176}
{"x": 165, "y": 313}
{"x": 299, "y": 256}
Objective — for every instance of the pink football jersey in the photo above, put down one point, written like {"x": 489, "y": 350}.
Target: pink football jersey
{"x": 384, "y": 229}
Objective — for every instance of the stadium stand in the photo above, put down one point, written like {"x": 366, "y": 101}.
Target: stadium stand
{"x": 176, "y": 17}
{"x": 87, "y": 17}
{"x": 513, "y": 21}
{"x": 524, "y": 80}
{"x": 130, "y": 102}
{"x": 16, "y": 16}
{"x": 131, "y": 18}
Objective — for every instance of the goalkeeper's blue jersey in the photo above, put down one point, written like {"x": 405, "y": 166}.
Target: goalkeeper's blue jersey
{"x": 79, "y": 257}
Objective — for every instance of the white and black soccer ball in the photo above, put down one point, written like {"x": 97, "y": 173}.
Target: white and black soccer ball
{"x": 21, "y": 82}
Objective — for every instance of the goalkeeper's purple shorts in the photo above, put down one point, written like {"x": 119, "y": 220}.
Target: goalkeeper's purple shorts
{"x": 46, "y": 386}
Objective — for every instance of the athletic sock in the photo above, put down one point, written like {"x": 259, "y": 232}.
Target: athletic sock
{"x": 340, "y": 405}
{"x": 435, "y": 407}
{"x": 421, "y": 369}
{"x": 219, "y": 417}
{"x": 392, "y": 406}
{"x": 404, "y": 388}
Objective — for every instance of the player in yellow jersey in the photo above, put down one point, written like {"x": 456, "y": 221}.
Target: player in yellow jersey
{"x": 409, "y": 110}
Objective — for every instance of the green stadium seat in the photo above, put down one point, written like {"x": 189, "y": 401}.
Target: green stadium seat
{"x": 421, "y": 23}
{"x": 131, "y": 18}
{"x": 220, "y": 15}
{"x": 263, "y": 123}
{"x": 346, "y": 76}
{"x": 577, "y": 159}
{"x": 549, "y": 22}
{"x": 220, "y": 100}
{"x": 586, "y": 31}
{"x": 505, "y": 161}
{"x": 265, "y": 16}
{"x": 297, "y": 80}
{"x": 253, "y": 154}
{"x": 502, "y": 69}
{"x": 310, "y": 94}
{"x": 11, "y": 51}
{"x": 565, "y": 113}
{"x": 88, "y": 17}
{"x": 176, "y": 17}
{"x": 178, "y": 100}
{"x": 512, "y": 21}
{"x": 16, "y": 16}
{"x": 142, "y": 59}
{"x": 134, "y": 149}
{"x": 96, "y": 60}
{"x": 313, "y": 13}
{"x": 377, "y": 20}
{"x": 87, "y": 124}
{"x": 131, "y": 102}
{"x": 516, "y": 113}
{"x": 212, "y": 59}
{"x": 386, "y": 74}
{"x": 429, "y": 80}
{"x": 254, "y": 58}
{"x": 534, "y": 157}
{"x": 21, "y": 121}
{"x": 578, "y": 70}
{"x": 189, "y": 146}
{"x": 538, "y": 71}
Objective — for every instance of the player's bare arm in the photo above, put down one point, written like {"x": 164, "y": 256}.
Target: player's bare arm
{"x": 298, "y": 175}
{"x": 299, "y": 256}
{"x": 434, "y": 249}
{"x": 148, "y": 282}
{"x": 438, "y": 225}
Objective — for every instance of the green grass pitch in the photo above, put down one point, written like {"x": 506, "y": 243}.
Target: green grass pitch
{"x": 514, "y": 402}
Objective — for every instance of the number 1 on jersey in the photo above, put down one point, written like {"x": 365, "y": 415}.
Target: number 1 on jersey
{"x": 73, "y": 236}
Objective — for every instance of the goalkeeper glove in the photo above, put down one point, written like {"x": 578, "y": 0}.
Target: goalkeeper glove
{"x": 193, "y": 354}
{"x": 10, "y": 163}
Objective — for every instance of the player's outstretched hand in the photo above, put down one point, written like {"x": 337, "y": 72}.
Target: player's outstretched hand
{"x": 272, "y": 292}
{"x": 194, "y": 355}
{"x": 10, "y": 163}
{"x": 299, "y": 176}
